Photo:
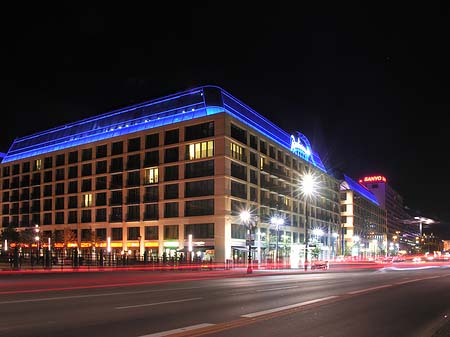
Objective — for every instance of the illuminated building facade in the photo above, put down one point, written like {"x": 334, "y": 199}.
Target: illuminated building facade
{"x": 164, "y": 176}
{"x": 392, "y": 202}
{"x": 364, "y": 230}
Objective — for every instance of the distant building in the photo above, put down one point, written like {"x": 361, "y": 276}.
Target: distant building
{"x": 169, "y": 176}
{"x": 392, "y": 202}
{"x": 364, "y": 230}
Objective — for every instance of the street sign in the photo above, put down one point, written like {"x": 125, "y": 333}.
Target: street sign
{"x": 249, "y": 242}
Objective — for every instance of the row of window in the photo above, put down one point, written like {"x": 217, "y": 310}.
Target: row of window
{"x": 151, "y": 212}
{"x": 193, "y": 132}
{"x": 150, "y": 176}
{"x": 170, "y": 232}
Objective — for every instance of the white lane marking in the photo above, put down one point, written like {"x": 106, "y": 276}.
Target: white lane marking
{"x": 280, "y": 288}
{"x": 158, "y": 303}
{"x": 407, "y": 281}
{"x": 296, "y": 305}
{"x": 369, "y": 289}
{"x": 174, "y": 331}
{"x": 93, "y": 295}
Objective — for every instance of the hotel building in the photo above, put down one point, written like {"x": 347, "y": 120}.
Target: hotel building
{"x": 364, "y": 229}
{"x": 167, "y": 176}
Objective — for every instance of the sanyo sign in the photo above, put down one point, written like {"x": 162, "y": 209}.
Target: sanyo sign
{"x": 301, "y": 146}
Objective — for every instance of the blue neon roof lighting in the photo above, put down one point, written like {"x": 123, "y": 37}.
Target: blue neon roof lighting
{"x": 191, "y": 104}
{"x": 354, "y": 186}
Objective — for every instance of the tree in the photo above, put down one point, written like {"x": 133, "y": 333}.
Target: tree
{"x": 11, "y": 234}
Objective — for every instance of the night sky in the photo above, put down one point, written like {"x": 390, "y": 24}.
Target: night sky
{"x": 368, "y": 85}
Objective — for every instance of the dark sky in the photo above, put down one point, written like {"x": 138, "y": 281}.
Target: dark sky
{"x": 368, "y": 85}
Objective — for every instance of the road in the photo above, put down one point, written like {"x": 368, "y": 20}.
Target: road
{"x": 390, "y": 301}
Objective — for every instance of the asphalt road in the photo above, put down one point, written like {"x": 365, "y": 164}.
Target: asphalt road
{"x": 367, "y": 302}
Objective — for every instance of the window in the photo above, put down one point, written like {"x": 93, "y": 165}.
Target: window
{"x": 60, "y": 160}
{"x": 133, "y": 196}
{"x": 116, "y": 214}
{"x": 86, "y": 170}
{"x": 253, "y": 177}
{"x": 199, "y": 169}
{"x": 199, "y": 231}
{"x": 238, "y": 171}
{"x": 237, "y": 152}
{"x": 134, "y": 144}
{"x": 133, "y": 213}
{"x": 238, "y": 134}
{"x": 263, "y": 146}
{"x": 171, "y": 173}
{"x": 48, "y": 176}
{"x": 171, "y": 155}
{"x": 100, "y": 167}
{"x": 48, "y": 191}
{"x": 100, "y": 199}
{"x": 100, "y": 183}
{"x": 151, "y": 194}
{"x": 73, "y": 202}
{"x": 253, "y": 142}
{"x": 116, "y": 164}
{"x": 86, "y": 215}
{"x": 59, "y": 203}
{"x": 171, "y": 210}
{"x": 171, "y": 137}
{"x": 100, "y": 216}
{"x": 151, "y": 158}
{"x": 47, "y": 204}
{"x": 151, "y": 232}
{"x": 152, "y": 141}
{"x": 101, "y": 151}
{"x": 171, "y": 191}
{"x": 199, "y": 207}
{"x": 87, "y": 200}
{"x": 26, "y": 167}
{"x": 73, "y": 217}
{"x": 116, "y": 148}
{"x": 199, "y": 188}
{"x": 100, "y": 234}
{"x": 47, "y": 218}
{"x": 199, "y": 131}
{"x": 116, "y": 181}
{"x": 86, "y": 154}
{"x": 73, "y": 172}
{"x": 238, "y": 190}
{"x": 59, "y": 174}
{"x": 134, "y": 162}
{"x": 86, "y": 185}
{"x": 151, "y": 212}
{"x": 48, "y": 162}
{"x": 151, "y": 175}
{"x": 133, "y": 179}
{"x": 238, "y": 231}
{"x": 73, "y": 157}
{"x": 200, "y": 150}
{"x": 171, "y": 232}
{"x": 116, "y": 198}
{"x": 116, "y": 234}
{"x": 134, "y": 233}
{"x": 37, "y": 165}
{"x": 59, "y": 189}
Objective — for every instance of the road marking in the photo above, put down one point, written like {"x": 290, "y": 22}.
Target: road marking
{"x": 93, "y": 295}
{"x": 292, "y": 306}
{"x": 158, "y": 303}
{"x": 174, "y": 331}
{"x": 369, "y": 289}
{"x": 280, "y": 288}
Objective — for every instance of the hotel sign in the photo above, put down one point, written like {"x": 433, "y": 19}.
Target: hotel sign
{"x": 300, "y": 146}
{"x": 373, "y": 179}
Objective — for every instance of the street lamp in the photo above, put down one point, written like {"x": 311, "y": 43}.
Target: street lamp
{"x": 307, "y": 188}
{"x": 247, "y": 221}
{"x": 277, "y": 221}
{"x": 36, "y": 238}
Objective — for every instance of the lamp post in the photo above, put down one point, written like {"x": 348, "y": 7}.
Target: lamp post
{"x": 307, "y": 188}
{"x": 277, "y": 221}
{"x": 36, "y": 238}
{"x": 247, "y": 221}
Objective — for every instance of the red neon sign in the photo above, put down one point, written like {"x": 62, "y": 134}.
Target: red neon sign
{"x": 371, "y": 179}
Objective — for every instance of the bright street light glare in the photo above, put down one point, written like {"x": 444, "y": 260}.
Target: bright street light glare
{"x": 245, "y": 216}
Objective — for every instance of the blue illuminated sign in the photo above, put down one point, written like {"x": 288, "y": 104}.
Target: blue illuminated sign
{"x": 301, "y": 146}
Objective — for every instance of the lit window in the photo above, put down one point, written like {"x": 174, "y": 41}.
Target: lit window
{"x": 87, "y": 200}
{"x": 236, "y": 151}
{"x": 200, "y": 150}
{"x": 151, "y": 175}
{"x": 262, "y": 163}
{"x": 37, "y": 164}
